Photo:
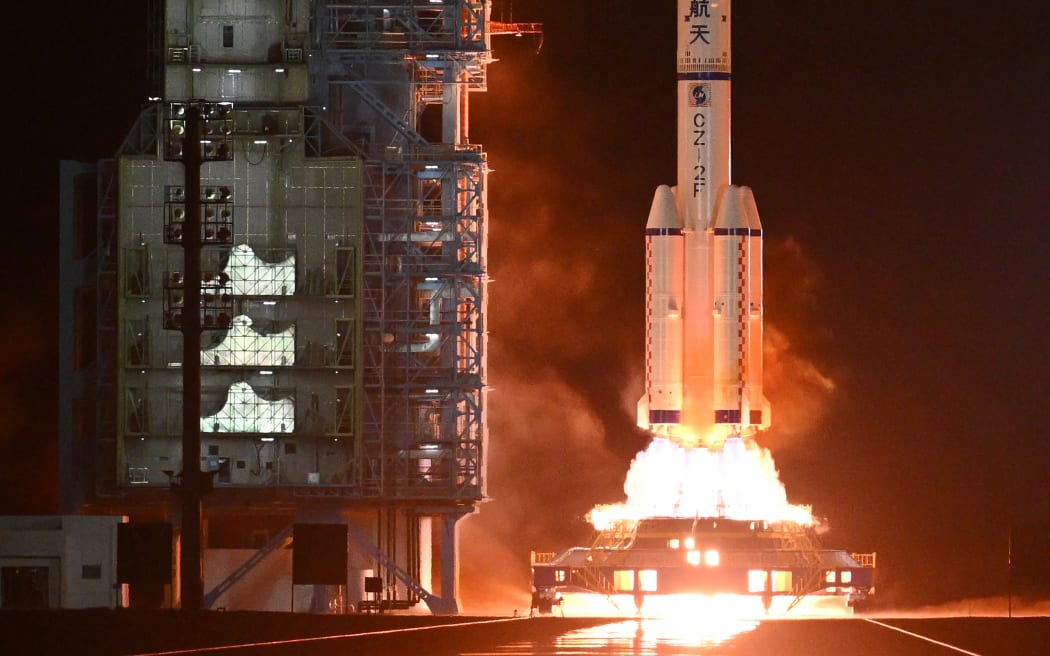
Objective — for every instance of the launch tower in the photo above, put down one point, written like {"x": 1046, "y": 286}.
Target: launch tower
{"x": 342, "y": 296}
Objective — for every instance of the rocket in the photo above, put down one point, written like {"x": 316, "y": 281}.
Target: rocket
{"x": 703, "y": 240}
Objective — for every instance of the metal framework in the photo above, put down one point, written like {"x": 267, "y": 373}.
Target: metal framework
{"x": 424, "y": 238}
{"x": 342, "y": 290}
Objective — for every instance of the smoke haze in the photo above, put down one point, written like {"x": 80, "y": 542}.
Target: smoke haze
{"x": 566, "y": 320}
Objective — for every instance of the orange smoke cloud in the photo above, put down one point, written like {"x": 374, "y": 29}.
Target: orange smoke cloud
{"x": 547, "y": 463}
{"x": 566, "y": 322}
{"x": 799, "y": 390}
{"x": 565, "y": 326}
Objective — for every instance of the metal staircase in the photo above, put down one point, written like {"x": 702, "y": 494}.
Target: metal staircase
{"x": 277, "y": 542}
{"x": 618, "y": 536}
{"x": 389, "y": 115}
{"x": 592, "y": 578}
{"x": 437, "y": 605}
{"x": 812, "y": 580}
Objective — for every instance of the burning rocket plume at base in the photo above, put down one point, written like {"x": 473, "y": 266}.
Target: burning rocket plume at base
{"x": 680, "y": 478}
{"x": 738, "y": 481}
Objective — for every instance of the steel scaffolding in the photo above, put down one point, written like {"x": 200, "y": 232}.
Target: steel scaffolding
{"x": 424, "y": 237}
{"x": 342, "y": 279}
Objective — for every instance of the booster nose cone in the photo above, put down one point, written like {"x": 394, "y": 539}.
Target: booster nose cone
{"x": 663, "y": 215}
{"x": 736, "y": 209}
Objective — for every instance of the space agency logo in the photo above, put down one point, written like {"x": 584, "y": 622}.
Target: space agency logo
{"x": 699, "y": 95}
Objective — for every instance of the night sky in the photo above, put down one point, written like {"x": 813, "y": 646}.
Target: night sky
{"x": 900, "y": 158}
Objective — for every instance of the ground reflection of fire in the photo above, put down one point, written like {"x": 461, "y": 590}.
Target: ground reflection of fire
{"x": 737, "y": 481}
{"x": 649, "y": 635}
{"x": 695, "y": 612}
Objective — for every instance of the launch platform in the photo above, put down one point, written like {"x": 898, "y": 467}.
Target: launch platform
{"x": 778, "y": 563}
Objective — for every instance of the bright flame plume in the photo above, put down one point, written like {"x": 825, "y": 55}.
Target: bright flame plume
{"x": 737, "y": 481}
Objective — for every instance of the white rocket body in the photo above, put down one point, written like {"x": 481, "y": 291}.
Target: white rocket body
{"x": 665, "y": 300}
{"x": 703, "y": 259}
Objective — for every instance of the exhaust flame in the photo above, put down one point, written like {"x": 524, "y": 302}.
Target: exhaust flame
{"x": 737, "y": 481}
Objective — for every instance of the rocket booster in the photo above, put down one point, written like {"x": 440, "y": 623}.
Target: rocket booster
{"x": 703, "y": 258}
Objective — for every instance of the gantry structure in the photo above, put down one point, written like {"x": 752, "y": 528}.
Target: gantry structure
{"x": 342, "y": 299}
